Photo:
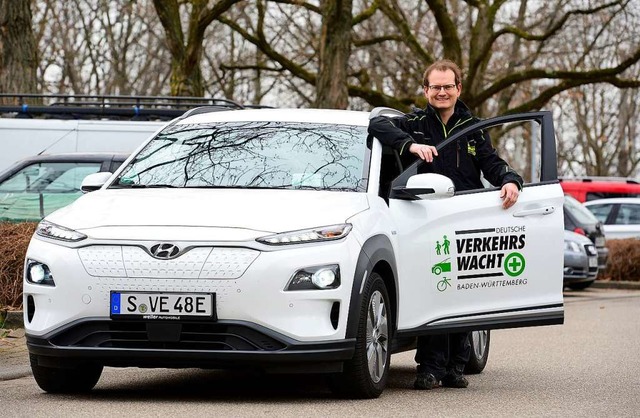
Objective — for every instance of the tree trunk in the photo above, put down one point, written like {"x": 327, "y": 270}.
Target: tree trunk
{"x": 335, "y": 48}
{"x": 18, "y": 60}
{"x": 186, "y": 76}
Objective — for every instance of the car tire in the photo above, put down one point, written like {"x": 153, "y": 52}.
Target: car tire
{"x": 365, "y": 377}
{"x": 580, "y": 286}
{"x": 480, "y": 341}
{"x": 65, "y": 380}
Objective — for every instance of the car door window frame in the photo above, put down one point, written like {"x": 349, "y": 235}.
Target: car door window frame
{"x": 548, "y": 172}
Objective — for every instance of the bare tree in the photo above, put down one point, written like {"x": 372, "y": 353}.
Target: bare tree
{"x": 100, "y": 47}
{"x": 186, "y": 51}
{"x": 18, "y": 61}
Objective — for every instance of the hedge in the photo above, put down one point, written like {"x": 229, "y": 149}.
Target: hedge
{"x": 13, "y": 247}
{"x": 623, "y": 265}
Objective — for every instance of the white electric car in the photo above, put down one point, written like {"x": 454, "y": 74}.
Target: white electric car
{"x": 286, "y": 240}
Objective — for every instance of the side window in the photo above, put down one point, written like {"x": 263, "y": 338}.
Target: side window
{"x": 601, "y": 211}
{"x": 568, "y": 223}
{"x": 49, "y": 177}
{"x": 599, "y": 195}
{"x": 69, "y": 177}
{"x": 390, "y": 168}
{"x": 115, "y": 165}
{"x": 504, "y": 159}
{"x": 628, "y": 215}
{"x": 23, "y": 180}
{"x": 519, "y": 145}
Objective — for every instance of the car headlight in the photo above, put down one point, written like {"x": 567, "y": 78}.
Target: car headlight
{"x": 572, "y": 246}
{"x": 50, "y": 230}
{"x": 322, "y": 233}
{"x": 314, "y": 278}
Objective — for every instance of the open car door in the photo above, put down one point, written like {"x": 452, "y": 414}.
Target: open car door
{"x": 466, "y": 263}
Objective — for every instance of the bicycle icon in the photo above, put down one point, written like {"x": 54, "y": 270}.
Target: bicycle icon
{"x": 443, "y": 284}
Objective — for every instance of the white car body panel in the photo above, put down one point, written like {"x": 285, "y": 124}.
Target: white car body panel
{"x": 422, "y": 224}
{"x": 216, "y": 232}
{"x": 277, "y": 210}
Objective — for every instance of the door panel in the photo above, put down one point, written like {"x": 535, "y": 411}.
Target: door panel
{"x": 466, "y": 263}
{"x": 465, "y": 256}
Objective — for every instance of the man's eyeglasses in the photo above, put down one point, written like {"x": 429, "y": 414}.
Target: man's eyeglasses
{"x": 446, "y": 87}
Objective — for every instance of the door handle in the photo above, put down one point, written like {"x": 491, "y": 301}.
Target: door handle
{"x": 545, "y": 210}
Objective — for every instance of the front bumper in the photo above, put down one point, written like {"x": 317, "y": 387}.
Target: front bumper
{"x": 201, "y": 344}
{"x": 576, "y": 268}
{"x": 253, "y": 293}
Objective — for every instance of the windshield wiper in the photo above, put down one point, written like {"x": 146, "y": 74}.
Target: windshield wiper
{"x": 143, "y": 186}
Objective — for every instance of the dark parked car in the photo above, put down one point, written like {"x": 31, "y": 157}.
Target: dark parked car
{"x": 578, "y": 219}
{"x": 36, "y": 186}
{"x": 580, "y": 261}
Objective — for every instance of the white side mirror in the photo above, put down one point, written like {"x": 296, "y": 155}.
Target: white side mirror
{"x": 94, "y": 181}
{"x": 429, "y": 186}
{"x": 385, "y": 111}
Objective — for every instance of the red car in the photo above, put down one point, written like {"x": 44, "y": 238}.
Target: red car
{"x": 591, "y": 188}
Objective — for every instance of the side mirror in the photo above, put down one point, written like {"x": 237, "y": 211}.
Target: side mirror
{"x": 425, "y": 186}
{"x": 94, "y": 181}
{"x": 385, "y": 111}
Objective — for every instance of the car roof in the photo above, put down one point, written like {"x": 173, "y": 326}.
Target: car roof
{"x": 70, "y": 157}
{"x": 76, "y": 156}
{"x": 632, "y": 200}
{"x": 333, "y": 116}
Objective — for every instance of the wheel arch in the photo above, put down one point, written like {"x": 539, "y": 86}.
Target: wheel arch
{"x": 376, "y": 255}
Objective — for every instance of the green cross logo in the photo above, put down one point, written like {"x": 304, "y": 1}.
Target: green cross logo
{"x": 514, "y": 264}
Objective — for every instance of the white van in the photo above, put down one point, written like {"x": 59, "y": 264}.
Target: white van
{"x": 21, "y": 138}
{"x": 55, "y": 124}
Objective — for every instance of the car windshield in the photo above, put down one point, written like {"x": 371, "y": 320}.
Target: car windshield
{"x": 253, "y": 155}
{"x": 578, "y": 210}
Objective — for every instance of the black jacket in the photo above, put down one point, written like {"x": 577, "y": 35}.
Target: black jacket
{"x": 461, "y": 161}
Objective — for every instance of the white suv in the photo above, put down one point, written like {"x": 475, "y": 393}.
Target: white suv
{"x": 288, "y": 240}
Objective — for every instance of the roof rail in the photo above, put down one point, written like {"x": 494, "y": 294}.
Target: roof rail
{"x": 80, "y": 106}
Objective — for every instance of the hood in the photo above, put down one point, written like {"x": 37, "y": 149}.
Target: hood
{"x": 572, "y": 236}
{"x": 249, "y": 212}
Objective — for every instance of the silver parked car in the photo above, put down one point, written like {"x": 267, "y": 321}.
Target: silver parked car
{"x": 620, "y": 216}
{"x": 580, "y": 261}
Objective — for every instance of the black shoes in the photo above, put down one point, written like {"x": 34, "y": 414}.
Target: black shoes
{"x": 425, "y": 381}
{"x": 455, "y": 381}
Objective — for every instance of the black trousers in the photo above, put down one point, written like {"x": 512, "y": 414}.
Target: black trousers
{"x": 442, "y": 354}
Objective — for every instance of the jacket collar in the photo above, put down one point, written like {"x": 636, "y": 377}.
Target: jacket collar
{"x": 460, "y": 110}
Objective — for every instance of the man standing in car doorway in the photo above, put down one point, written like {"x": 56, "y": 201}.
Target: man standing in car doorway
{"x": 442, "y": 358}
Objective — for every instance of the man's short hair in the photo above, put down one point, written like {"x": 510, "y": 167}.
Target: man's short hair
{"x": 442, "y": 65}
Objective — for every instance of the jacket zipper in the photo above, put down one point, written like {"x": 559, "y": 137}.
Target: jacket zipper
{"x": 446, "y": 134}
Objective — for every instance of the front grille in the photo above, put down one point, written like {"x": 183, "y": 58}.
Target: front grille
{"x": 166, "y": 335}
{"x": 195, "y": 263}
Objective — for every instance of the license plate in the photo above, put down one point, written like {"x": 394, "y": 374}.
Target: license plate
{"x": 593, "y": 261}
{"x": 162, "y": 305}
{"x": 599, "y": 241}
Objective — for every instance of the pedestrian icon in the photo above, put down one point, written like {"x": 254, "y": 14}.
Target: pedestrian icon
{"x": 445, "y": 244}
{"x": 444, "y": 247}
